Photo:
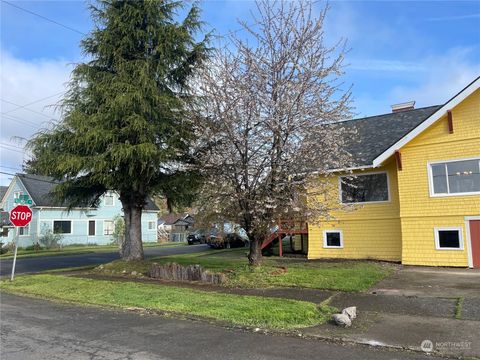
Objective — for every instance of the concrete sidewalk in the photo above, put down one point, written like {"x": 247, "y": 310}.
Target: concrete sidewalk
{"x": 416, "y": 304}
{"x": 450, "y": 337}
{"x": 412, "y": 305}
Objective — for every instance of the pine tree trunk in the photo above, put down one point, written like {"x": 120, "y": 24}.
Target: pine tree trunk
{"x": 255, "y": 255}
{"x": 132, "y": 247}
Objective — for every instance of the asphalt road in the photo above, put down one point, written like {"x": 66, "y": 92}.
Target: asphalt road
{"x": 43, "y": 263}
{"x": 38, "y": 329}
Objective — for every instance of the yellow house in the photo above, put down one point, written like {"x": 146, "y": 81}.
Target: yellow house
{"x": 416, "y": 189}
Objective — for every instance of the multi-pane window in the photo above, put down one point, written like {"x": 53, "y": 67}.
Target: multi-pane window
{"x": 24, "y": 230}
{"x": 332, "y": 239}
{"x": 455, "y": 177}
{"x": 364, "y": 188}
{"x": 108, "y": 227}
{"x": 62, "y": 227}
{"x": 151, "y": 225}
{"x": 108, "y": 199}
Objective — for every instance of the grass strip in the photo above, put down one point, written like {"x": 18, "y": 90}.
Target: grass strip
{"x": 331, "y": 275}
{"x": 274, "y": 313}
{"x": 458, "y": 308}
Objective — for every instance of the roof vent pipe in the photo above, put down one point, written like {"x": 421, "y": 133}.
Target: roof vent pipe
{"x": 410, "y": 105}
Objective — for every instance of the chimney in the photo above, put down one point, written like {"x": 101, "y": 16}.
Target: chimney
{"x": 410, "y": 105}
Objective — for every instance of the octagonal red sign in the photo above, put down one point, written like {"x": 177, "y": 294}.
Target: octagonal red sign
{"x": 20, "y": 215}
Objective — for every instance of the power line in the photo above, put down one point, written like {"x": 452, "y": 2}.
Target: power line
{"x": 10, "y": 167}
{"x": 7, "y": 148}
{"x": 15, "y": 146}
{"x": 44, "y": 17}
{"x": 33, "y": 111}
{"x": 31, "y": 178}
{"x": 33, "y": 102}
{"x": 22, "y": 121}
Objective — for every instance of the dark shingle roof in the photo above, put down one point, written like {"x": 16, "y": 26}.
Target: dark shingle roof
{"x": 375, "y": 134}
{"x": 39, "y": 187}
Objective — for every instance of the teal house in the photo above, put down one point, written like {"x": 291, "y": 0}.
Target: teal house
{"x": 77, "y": 226}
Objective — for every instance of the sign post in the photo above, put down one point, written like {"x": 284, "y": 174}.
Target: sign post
{"x": 20, "y": 215}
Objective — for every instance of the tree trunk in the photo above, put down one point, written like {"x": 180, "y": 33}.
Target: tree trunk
{"x": 132, "y": 247}
{"x": 255, "y": 255}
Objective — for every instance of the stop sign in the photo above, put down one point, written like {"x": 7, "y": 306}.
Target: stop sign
{"x": 20, "y": 215}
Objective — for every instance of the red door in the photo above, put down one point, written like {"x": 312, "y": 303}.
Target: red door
{"x": 475, "y": 239}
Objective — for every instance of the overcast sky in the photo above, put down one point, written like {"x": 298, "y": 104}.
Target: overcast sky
{"x": 400, "y": 51}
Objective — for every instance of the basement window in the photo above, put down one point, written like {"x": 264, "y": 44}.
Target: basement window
{"x": 460, "y": 177}
{"x": 332, "y": 239}
{"x": 448, "y": 239}
{"x": 364, "y": 188}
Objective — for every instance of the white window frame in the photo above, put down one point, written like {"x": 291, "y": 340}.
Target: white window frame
{"x": 365, "y": 202}
{"x": 71, "y": 227}
{"x": 154, "y": 225}
{"x": 446, "y": 228}
{"x": 430, "y": 178}
{"x": 113, "y": 231}
{"x": 325, "y": 232}
{"x": 88, "y": 228}
{"x": 17, "y": 194}
{"x": 109, "y": 194}
{"x": 28, "y": 230}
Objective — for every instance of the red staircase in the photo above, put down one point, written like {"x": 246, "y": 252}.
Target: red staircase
{"x": 285, "y": 228}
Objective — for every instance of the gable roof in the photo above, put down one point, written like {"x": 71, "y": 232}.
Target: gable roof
{"x": 439, "y": 113}
{"x": 179, "y": 219}
{"x": 375, "y": 134}
{"x": 39, "y": 187}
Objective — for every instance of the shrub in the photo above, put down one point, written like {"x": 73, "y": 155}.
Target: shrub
{"x": 3, "y": 250}
{"x": 34, "y": 247}
{"x": 50, "y": 240}
{"x": 119, "y": 231}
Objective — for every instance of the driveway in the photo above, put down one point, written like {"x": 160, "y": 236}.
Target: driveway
{"x": 38, "y": 329}
{"x": 431, "y": 282}
{"x": 43, "y": 263}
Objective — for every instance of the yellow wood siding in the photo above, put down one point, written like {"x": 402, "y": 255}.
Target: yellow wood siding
{"x": 420, "y": 213}
{"x": 403, "y": 229}
{"x": 371, "y": 231}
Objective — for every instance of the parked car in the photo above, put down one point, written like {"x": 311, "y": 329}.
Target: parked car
{"x": 231, "y": 240}
{"x": 196, "y": 238}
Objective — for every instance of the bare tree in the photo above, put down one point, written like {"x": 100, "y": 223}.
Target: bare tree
{"x": 270, "y": 99}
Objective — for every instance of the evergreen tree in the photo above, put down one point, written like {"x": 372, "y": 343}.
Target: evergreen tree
{"x": 125, "y": 124}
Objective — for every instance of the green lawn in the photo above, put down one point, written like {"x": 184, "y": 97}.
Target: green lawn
{"x": 235, "y": 309}
{"x": 69, "y": 250}
{"x": 332, "y": 275}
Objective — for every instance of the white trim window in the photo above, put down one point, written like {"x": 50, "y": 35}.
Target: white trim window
{"x": 449, "y": 238}
{"x": 333, "y": 239}
{"x": 454, "y": 177}
{"x": 109, "y": 199}
{"x": 17, "y": 194}
{"x": 108, "y": 227}
{"x": 365, "y": 188}
{"x": 24, "y": 230}
{"x": 152, "y": 225}
{"x": 62, "y": 227}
